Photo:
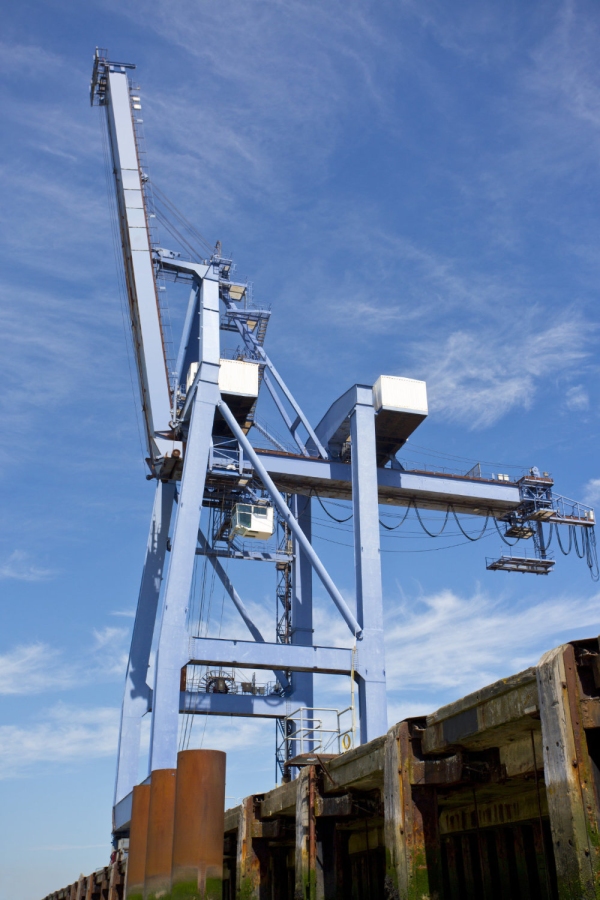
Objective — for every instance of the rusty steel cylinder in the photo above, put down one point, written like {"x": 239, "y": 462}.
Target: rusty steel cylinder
{"x": 159, "y": 843}
{"x": 138, "y": 833}
{"x": 197, "y": 872}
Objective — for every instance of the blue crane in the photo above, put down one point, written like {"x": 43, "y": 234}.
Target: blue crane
{"x": 197, "y": 421}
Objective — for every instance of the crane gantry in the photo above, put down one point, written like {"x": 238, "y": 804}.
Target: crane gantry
{"x": 197, "y": 421}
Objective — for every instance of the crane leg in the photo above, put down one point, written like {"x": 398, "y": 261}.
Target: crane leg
{"x": 367, "y": 565}
{"x": 173, "y": 641}
{"x": 137, "y": 696}
{"x": 302, "y": 607}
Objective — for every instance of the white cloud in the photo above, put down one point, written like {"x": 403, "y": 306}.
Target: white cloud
{"x": 110, "y": 651}
{"x": 37, "y": 667}
{"x": 474, "y": 377}
{"x": 33, "y": 668}
{"x": 472, "y": 641}
{"x": 577, "y": 398}
{"x": 18, "y": 567}
{"x": 591, "y": 492}
{"x": 66, "y": 734}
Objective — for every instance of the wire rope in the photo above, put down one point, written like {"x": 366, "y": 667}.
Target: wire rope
{"x": 185, "y": 223}
{"x": 384, "y": 550}
{"x": 486, "y": 462}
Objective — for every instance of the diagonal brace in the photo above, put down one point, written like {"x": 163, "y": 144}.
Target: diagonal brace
{"x": 295, "y": 528}
{"x": 238, "y": 603}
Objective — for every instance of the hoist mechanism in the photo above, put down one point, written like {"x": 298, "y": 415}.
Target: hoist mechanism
{"x": 221, "y": 495}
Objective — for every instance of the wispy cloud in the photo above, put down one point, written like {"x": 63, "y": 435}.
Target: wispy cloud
{"x": 470, "y": 641}
{"x": 577, "y": 398}
{"x": 19, "y": 567}
{"x": 472, "y": 380}
{"x": 591, "y": 492}
{"x": 110, "y": 650}
{"x": 66, "y": 734}
{"x": 33, "y": 668}
{"x": 36, "y": 668}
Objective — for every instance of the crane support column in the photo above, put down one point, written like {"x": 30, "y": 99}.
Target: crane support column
{"x": 367, "y": 564}
{"x": 302, "y": 602}
{"x": 172, "y": 648}
{"x": 137, "y": 696}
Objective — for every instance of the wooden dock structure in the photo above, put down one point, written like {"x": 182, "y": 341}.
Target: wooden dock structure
{"x": 493, "y": 797}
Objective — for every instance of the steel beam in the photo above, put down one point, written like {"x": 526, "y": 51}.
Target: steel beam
{"x": 189, "y": 338}
{"x": 251, "y": 655}
{"x": 295, "y": 528}
{"x": 302, "y": 601}
{"x": 137, "y": 695}
{"x": 270, "y": 706}
{"x": 253, "y": 555}
{"x": 303, "y": 475}
{"x": 139, "y": 272}
{"x": 171, "y": 655}
{"x": 367, "y": 566}
{"x": 228, "y": 585}
{"x": 239, "y": 605}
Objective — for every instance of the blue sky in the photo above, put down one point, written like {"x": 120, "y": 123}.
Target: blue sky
{"x": 412, "y": 187}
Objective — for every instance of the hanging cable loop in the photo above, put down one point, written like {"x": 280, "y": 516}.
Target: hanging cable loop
{"x": 466, "y": 534}
{"x": 402, "y": 520}
{"x": 576, "y": 543}
{"x": 426, "y": 530}
{"x": 504, "y": 538}
{"x": 326, "y": 511}
{"x": 562, "y": 549}
{"x": 589, "y": 537}
{"x": 550, "y": 536}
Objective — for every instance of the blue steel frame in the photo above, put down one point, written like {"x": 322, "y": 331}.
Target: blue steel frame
{"x": 319, "y": 468}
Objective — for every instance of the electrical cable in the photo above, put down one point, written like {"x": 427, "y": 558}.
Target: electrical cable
{"x": 563, "y": 551}
{"x": 401, "y": 522}
{"x": 591, "y": 552}
{"x": 468, "y": 536}
{"x": 576, "y": 543}
{"x": 431, "y": 534}
{"x": 326, "y": 511}
{"x": 506, "y": 541}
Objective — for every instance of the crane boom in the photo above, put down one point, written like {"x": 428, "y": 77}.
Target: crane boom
{"x": 110, "y": 88}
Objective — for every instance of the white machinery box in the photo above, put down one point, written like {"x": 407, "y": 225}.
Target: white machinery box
{"x": 236, "y": 377}
{"x": 402, "y": 394}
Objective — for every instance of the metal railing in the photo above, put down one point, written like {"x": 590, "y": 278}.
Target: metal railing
{"x": 317, "y": 730}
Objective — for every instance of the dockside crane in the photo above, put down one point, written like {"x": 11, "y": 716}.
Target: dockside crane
{"x": 198, "y": 419}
